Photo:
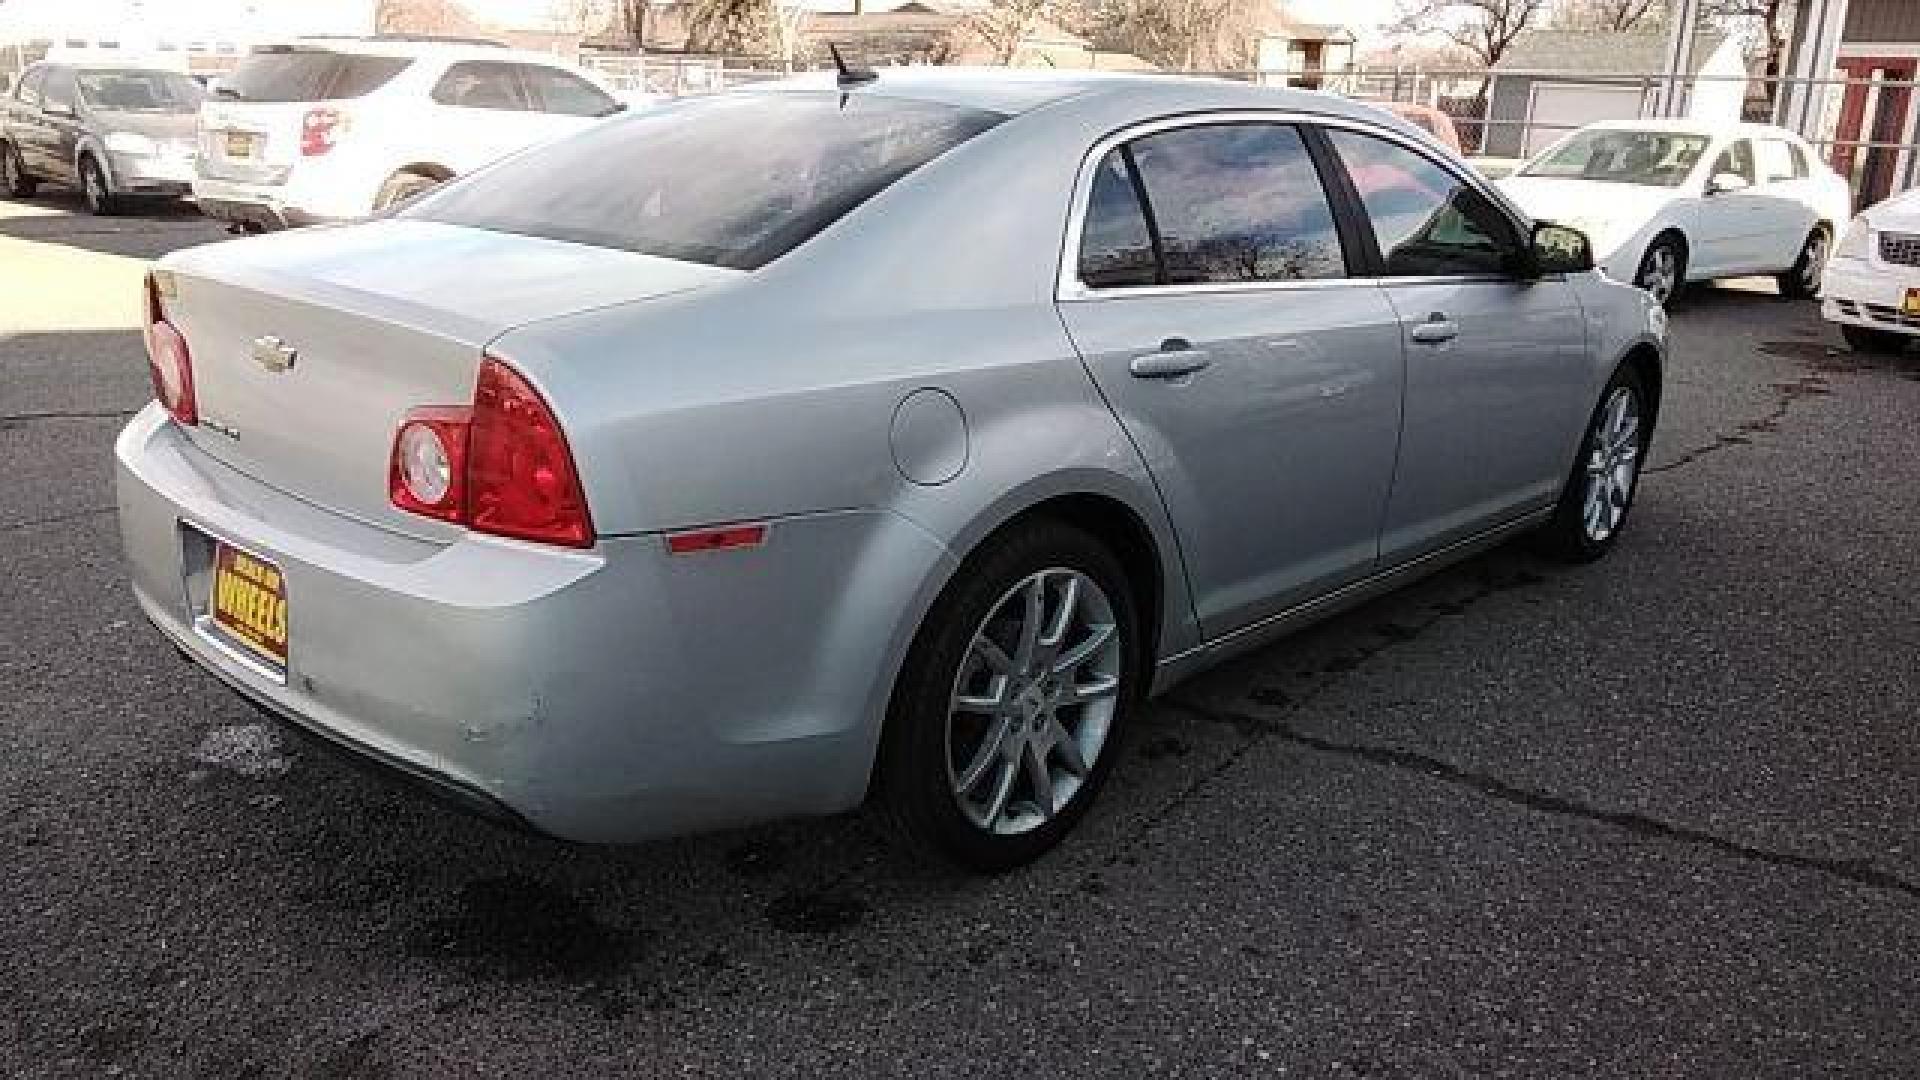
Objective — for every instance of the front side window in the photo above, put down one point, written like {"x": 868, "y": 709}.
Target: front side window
{"x": 1116, "y": 247}
{"x": 733, "y": 180}
{"x": 1646, "y": 158}
{"x": 1427, "y": 221}
{"x": 1237, "y": 203}
{"x": 564, "y": 93}
{"x": 59, "y": 90}
{"x": 480, "y": 86}
{"x": 1738, "y": 160}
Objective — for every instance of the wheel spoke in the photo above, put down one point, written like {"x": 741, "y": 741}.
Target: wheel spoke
{"x": 995, "y": 657}
{"x": 1101, "y": 686}
{"x": 1055, "y": 634}
{"x": 1041, "y": 778}
{"x": 1069, "y": 749}
{"x": 994, "y": 704}
{"x": 1032, "y": 623}
{"x": 997, "y": 804}
{"x": 1071, "y": 660}
{"x": 983, "y": 758}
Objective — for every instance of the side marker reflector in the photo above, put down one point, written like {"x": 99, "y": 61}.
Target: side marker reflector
{"x": 733, "y": 536}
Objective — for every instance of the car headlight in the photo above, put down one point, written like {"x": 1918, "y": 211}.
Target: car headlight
{"x": 1857, "y": 241}
{"x": 131, "y": 143}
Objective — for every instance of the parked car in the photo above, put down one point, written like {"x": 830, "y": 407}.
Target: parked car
{"x": 1872, "y": 287}
{"x": 751, "y": 454}
{"x": 1672, "y": 201}
{"x": 1425, "y": 117}
{"x": 337, "y": 128}
{"x": 112, "y": 132}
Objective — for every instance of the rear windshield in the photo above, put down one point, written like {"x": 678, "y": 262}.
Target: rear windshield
{"x": 727, "y": 180}
{"x": 140, "y": 91}
{"x": 309, "y": 75}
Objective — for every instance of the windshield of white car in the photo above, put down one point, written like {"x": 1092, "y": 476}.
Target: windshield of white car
{"x": 726, "y": 180}
{"x": 1648, "y": 158}
{"x": 139, "y": 91}
{"x": 280, "y": 74}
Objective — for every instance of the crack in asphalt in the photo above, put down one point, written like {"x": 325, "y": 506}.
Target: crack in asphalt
{"x": 1788, "y": 392}
{"x": 66, "y": 414}
{"x": 1856, "y": 871}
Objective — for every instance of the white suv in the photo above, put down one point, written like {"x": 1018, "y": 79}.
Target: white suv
{"x": 336, "y": 128}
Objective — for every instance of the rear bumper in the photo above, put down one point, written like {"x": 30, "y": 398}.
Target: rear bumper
{"x": 599, "y": 696}
{"x": 272, "y": 206}
{"x": 1860, "y": 292}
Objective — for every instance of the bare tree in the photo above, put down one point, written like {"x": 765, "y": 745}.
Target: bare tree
{"x": 726, "y": 26}
{"x": 1004, "y": 24}
{"x": 1184, "y": 34}
{"x": 582, "y": 17}
{"x": 1486, "y": 28}
{"x": 1610, "y": 16}
{"x": 422, "y": 17}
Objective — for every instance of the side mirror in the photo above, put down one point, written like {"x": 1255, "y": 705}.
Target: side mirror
{"x": 1726, "y": 182}
{"x": 1560, "y": 249}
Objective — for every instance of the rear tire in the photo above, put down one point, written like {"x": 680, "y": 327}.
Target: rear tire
{"x": 1663, "y": 269}
{"x": 1865, "y": 339}
{"x": 1606, "y": 475}
{"x": 101, "y": 201}
{"x": 400, "y": 187}
{"x": 13, "y": 174}
{"x": 1803, "y": 280}
{"x": 985, "y": 708}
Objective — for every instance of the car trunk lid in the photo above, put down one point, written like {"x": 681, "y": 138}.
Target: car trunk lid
{"x": 309, "y": 347}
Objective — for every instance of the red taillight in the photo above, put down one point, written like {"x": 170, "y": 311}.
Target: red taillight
{"x": 501, "y": 466}
{"x": 318, "y": 129}
{"x": 168, "y": 362}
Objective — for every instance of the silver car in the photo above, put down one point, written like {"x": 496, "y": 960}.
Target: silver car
{"x": 767, "y": 453}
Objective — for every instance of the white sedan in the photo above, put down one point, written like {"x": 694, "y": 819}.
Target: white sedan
{"x": 1873, "y": 283}
{"x": 1666, "y": 202}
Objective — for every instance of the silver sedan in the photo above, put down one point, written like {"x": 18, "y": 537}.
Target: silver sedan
{"x": 875, "y": 439}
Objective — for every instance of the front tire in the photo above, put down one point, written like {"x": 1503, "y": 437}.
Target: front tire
{"x": 1865, "y": 339}
{"x": 1663, "y": 269}
{"x": 1005, "y": 718}
{"x": 1803, "y": 280}
{"x": 101, "y": 201}
{"x": 13, "y": 174}
{"x": 1599, "y": 493}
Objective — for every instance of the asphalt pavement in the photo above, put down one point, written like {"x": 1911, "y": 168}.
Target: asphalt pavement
{"x": 1653, "y": 817}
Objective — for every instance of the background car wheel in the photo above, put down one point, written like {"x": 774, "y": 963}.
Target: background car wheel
{"x": 93, "y": 185}
{"x": 1005, "y": 718}
{"x": 13, "y": 174}
{"x": 400, "y": 187}
{"x": 1803, "y": 280}
{"x": 1599, "y": 493}
{"x": 1868, "y": 340}
{"x": 1663, "y": 269}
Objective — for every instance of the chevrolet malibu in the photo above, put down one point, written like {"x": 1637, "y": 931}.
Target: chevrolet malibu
{"x": 772, "y": 452}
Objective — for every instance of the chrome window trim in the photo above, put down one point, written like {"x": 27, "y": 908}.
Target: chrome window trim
{"x": 1069, "y": 288}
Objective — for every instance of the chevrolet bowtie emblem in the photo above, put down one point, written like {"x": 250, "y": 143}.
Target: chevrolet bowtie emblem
{"x": 274, "y": 355}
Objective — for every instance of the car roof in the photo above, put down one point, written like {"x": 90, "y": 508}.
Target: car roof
{"x": 1688, "y": 126}
{"x": 1018, "y": 90}
{"x": 414, "y": 48}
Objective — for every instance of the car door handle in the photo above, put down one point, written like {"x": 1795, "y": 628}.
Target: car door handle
{"x": 1177, "y": 357}
{"x": 1437, "y": 329}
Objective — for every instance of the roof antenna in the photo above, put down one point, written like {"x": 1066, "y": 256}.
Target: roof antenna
{"x": 849, "y": 76}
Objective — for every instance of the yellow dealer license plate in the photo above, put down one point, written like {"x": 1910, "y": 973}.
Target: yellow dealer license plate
{"x": 250, "y": 603}
{"x": 240, "y": 144}
{"x": 1911, "y": 305}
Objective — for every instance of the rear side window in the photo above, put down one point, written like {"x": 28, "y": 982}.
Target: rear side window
{"x": 477, "y": 85}
{"x": 1774, "y": 159}
{"x": 30, "y": 85}
{"x": 727, "y": 180}
{"x": 1116, "y": 247}
{"x": 1427, "y": 221}
{"x": 1738, "y": 160}
{"x": 310, "y": 75}
{"x": 563, "y": 92}
{"x": 1238, "y": 202}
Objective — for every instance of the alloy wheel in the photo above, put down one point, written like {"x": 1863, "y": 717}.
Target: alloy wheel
{"x": 1661, "y": 275}
{"x": 1813, "y": 262}
{"x": 1613, "y": 464}
{"x": 1034, "y": 701}
{"x": 96, "y": 188}
{"x": 9, "y": 171}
